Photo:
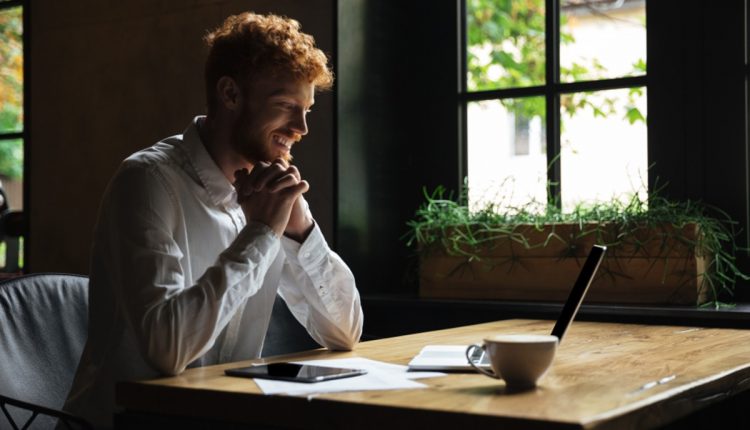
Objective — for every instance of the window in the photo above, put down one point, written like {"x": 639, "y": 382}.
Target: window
{"x": 553, "y": 101}
{"x": 11, "y": 120}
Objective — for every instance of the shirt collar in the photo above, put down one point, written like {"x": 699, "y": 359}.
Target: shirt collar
{"x": 219, "y": 189}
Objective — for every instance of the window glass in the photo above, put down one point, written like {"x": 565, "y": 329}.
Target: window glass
{"x": 11, "y": 160}
{"x": 507, "y": 163}
{"x": 505, "y": 44}
{"x": 603, "y": 146}
{"x": 11, "y": 70}
{"x": 602, "y": 151}
{"x": 11, "y": 127}
{"x": 602, "y": 39}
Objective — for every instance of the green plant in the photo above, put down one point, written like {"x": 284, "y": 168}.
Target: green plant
{"x": 447, "y": 224}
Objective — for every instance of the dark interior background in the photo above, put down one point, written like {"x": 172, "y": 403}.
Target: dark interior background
{"x": 107, "y": 79}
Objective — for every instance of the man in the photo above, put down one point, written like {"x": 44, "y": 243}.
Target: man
{"x": 197, "y": 234}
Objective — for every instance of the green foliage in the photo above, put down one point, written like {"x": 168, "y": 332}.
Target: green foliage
{"x": 511, "y": 35}
{"x": 11, "y": 69}
{"x": 519, "y": 22}
{"x": 11, "y": 158}
{"x": 11, "y": 91}
{"x": 447, "y": 223}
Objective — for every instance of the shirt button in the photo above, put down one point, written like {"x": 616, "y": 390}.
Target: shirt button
{"x": 306, "y": 255}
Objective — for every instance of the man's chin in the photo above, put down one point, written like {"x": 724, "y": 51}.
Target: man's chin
{"x": 268, "y": 158}
{"x": 285, "y": 155}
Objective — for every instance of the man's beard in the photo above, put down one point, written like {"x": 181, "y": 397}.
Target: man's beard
{"x": 254, "y": 148}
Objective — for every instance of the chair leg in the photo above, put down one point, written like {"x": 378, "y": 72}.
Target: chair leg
{"x": 70, "y": 421}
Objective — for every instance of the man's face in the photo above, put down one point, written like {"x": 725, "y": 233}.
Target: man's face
{"x": 272, "y": 117}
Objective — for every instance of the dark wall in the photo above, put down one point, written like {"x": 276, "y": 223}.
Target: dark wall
{"x": 696, "y": 110}
{"x": 110, "y": 78}
{"x": 397, "y": 128}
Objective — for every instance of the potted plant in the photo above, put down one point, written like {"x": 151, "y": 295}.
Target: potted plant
{"x": 659, "y": 251}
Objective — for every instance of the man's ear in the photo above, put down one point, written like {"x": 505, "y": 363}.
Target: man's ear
{"x": 229, "y": 93}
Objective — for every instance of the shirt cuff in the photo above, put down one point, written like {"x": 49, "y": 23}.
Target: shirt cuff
{"x": 309, "y": 253}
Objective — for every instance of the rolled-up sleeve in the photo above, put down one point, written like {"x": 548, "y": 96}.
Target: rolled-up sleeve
{"x": 320, "y": 291}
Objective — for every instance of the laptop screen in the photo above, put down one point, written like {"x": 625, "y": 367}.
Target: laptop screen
{"x": 570, "y": 309}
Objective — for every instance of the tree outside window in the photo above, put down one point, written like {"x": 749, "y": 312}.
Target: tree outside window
{"x": 595, "y": 78}
{"x": 11, "y": 112}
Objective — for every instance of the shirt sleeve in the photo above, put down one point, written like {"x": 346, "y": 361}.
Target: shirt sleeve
{"x": 175, "y": 323}
{"x": 320, "y": 291}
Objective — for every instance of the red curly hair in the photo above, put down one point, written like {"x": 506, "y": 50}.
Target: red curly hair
{"x": 249, "y": 43}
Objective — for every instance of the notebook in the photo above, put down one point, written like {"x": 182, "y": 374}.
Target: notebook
{"x": 453, "y": 358}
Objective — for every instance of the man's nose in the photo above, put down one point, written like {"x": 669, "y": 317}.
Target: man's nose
{"x": 299, "y": 123}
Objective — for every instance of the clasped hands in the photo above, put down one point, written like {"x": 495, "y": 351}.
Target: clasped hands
{"x": 271, "y": 193}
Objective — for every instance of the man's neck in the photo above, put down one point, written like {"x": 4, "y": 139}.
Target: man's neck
{"x": 219, "y": 147}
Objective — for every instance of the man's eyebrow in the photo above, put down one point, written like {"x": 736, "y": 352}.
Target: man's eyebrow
{"x": 280, "y": 92}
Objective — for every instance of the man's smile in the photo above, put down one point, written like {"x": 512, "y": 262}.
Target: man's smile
{"x": 283, "y": 141}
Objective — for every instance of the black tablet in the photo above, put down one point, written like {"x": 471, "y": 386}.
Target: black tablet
{"x": 294, "y": 372}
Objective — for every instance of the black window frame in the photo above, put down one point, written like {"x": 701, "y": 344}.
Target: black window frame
{"x": 551, "y": 90}
{"x": 25, "y": 133}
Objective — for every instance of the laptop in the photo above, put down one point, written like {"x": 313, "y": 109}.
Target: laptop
{"x": 453, "y": 358}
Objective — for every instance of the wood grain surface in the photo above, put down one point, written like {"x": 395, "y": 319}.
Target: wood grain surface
{"x": 595, "y": 382}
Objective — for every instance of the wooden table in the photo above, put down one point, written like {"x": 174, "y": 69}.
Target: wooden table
{"x": 594, "y": 383}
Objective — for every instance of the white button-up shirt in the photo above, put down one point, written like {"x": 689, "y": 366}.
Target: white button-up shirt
{"x": 178, "y": 278}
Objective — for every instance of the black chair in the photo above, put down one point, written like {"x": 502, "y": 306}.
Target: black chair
{"x": 43, "y": 326}
{"x": 285, "y": 334}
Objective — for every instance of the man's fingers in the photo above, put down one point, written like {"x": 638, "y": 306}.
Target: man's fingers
{"x": 268, "y": 176}
{"x": 294, "y": 171}
{"x": 296, "y": 190}
{"x": 285, "y": 181}
{"x": 256, "y": 171}
{"x": 242, "y": 184}
{"x": 240, "y": 174}
{"x": 289, "y": 168}
{"x": 271, "y": 177}
{"x": 276, "y": 177}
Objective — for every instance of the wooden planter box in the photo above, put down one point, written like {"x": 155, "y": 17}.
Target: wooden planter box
{"x": 653, "y": 266}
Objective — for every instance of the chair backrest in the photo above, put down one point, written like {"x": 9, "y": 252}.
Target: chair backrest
{"x": 285, "y": 334}
{"x": 43, "y": 329}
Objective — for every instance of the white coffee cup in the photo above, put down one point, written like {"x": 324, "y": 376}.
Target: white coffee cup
{"x": 519, "y": 359}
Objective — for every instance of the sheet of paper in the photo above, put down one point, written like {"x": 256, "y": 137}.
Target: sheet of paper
{"x": 373, "y": 365}
{"x": 380, "y": 376}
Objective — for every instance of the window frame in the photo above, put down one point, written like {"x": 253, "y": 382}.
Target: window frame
{"x": 551, "y": 91}
{"x": 24, "y": 134}
{"x": 10, "y": 4}
{"x": 696, "y": 123}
